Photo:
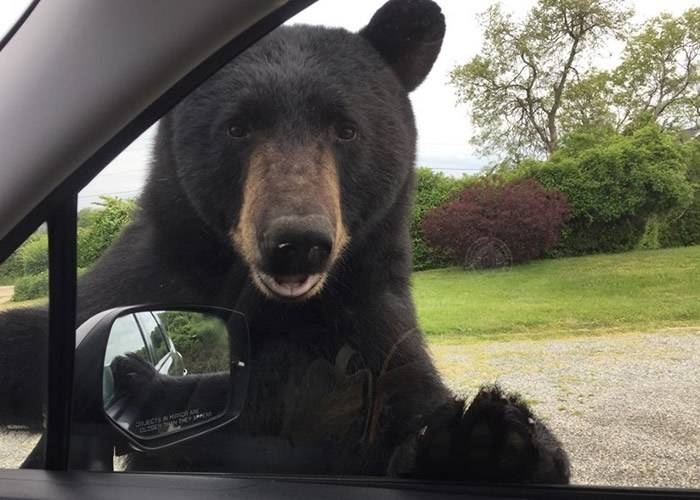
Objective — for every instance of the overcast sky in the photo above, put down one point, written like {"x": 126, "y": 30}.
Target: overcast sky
{"x": 443, "y": 127}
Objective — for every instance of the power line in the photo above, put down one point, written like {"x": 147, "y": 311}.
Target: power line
{"x": 112, "y": 193}
{"x": 466, "y": 169}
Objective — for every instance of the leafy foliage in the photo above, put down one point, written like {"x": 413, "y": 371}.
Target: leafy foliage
{"x": 11, "y": 269}
{"x": 517, "y": 83}
{"x": 29, "y": 259}
{"x": 532, "y": 85}
{"x": 520, "y": 213}
{"x": 34, "y": 286}
{"x": 614, "y": 186}
{"x": 106, "y": 225}
{"x": 35, "y": 255}
{"x": 660, "y": 71}
{"x": 432, "y": 190}
{"x": 87, "y": 216}
{"x": 31, "y": 287}
{"x": 27, "y": 268}
{"x": 200, "y": 339}
{"x": 682, "y": 226}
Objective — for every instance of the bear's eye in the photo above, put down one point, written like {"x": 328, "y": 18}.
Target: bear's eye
{"x": 346, "y": 132}
{"x": 238, "y": 131}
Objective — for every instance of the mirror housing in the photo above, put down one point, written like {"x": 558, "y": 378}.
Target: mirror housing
{"x": 93, "y": 438}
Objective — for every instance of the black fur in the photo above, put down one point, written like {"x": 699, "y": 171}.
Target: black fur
{"x": 388, "y": 401}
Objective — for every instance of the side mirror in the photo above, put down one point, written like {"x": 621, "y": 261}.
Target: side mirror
{"x": 167, "y": 374}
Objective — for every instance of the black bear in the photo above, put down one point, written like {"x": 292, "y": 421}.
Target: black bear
{"x": 282, "y": 188}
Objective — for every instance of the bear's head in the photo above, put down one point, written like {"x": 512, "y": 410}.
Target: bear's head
{"x": 294, "y": 151}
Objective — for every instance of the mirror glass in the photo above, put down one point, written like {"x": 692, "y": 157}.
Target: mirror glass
{"x": 166, "y": 371}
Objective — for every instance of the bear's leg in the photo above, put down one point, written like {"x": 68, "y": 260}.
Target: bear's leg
{"x": 23, "y": 360}
{"x": 496, "y": 438}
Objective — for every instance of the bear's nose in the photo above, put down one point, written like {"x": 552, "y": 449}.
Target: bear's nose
{"x": 297, "y": 245}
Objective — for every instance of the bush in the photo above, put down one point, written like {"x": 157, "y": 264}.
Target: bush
{"x": 34, "y": 286}
{"x": 31, "y": 287}
{"x": 11, "y": 269}
{"x": 87, "y": 216}
{"x": 31, "y": 258}
{"x": 432, "y": 190}
{"x": 200, "y": 340}
{"x": 27, "y": 268}
{"x": 651, "y": 238}
{"x": 682, "y": 226}
{"x": 106, "y": 225}
{"x": 521, "y": 214}
{"x": 614, "y": 186}
{"x": 35, "y": 255}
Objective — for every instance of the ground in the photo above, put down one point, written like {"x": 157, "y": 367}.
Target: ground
{"x": 6, "y": 293}
{"x": 605, "y": 348}
{"x": 624, "y": 405}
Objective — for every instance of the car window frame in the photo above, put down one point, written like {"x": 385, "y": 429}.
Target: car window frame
{"x": 141, "y": 335}
{"x": 6, "y": 37}
{"x": 171, "y": 345}
{"x": 156, "y": 361}
{"x": 59, "y": 210}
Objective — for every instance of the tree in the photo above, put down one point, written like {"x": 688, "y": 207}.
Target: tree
{"x": 516, "y": 85}
{"x": 658, "y": 81}
{"x": 659, "y": 74}
{"x": 590, "y": 104}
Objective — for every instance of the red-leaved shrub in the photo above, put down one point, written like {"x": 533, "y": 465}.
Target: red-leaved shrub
{"x": 518, "y": 220}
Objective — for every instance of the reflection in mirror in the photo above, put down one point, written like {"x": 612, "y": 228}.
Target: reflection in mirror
{"x": 166, "y": 371}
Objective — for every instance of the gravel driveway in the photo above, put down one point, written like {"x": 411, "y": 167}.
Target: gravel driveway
{"x": 626, "y": 406}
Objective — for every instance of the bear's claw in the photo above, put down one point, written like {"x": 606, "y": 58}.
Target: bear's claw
{"x": 495, "y": 438}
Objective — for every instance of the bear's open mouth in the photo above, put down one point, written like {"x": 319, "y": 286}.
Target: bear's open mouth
{"x": 290, "y": 287}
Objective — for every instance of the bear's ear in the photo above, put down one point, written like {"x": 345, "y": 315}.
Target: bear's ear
{"x": 408, "y": 34}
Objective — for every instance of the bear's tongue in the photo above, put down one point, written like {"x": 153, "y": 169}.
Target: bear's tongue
{"x": 295, "y": 279}
{"x": 291, "y": 286}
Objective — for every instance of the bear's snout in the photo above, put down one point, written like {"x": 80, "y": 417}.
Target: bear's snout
{"x": 297, "y": 245}
{"x": 290, "y": 229}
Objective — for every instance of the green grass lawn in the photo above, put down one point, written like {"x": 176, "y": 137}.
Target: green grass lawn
{"x": 594, "y": 294}
{"x": 619, "y": 292}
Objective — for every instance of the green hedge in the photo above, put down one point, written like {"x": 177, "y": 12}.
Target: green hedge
{"x": 682, "y": 226}
{"x": 31, "y": 287}
{"x": 432, "y": 190}
{"x": 31, "y": 258}
{"x": 26, "y": 268}
{"x": 35, "y": 255}
{"x": 105, "y": 226}
{"x": 614, "y": 186}
{"x": 200, "y": 339}
{"x": 34, "y": 286}
{"x": 11, "y": 269}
